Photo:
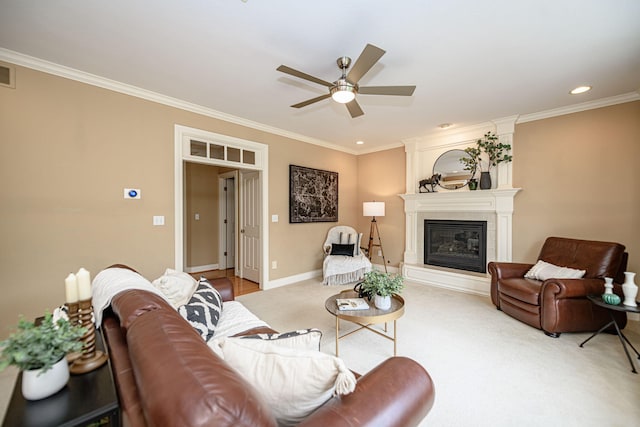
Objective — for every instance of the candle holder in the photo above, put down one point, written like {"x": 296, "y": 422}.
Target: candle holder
{"x": 74, "y": 319}
{"x": 90, "y": 358}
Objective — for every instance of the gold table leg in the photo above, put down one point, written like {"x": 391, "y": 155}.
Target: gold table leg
{"x": 395, "y": 337}
{"x": 337, "y": 333}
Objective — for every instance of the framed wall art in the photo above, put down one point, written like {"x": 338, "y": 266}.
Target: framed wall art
{"x": 313, "y": 195}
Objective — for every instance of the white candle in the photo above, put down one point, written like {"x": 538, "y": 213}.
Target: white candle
{"x": 71, "y": 288}
{"x": 84, "y": 284}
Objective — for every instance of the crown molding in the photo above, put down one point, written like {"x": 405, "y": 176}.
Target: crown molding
{"x": 583, "y": 106}
{"x": 126, "y": 89}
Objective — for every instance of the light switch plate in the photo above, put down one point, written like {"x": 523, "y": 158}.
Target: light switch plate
{"x": 158, "y": 220}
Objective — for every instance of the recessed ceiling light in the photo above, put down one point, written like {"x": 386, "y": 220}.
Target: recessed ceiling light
{"x": 359, "y": 142}
{"x": 445, "y": 125}
{"x": 580, "y": 89}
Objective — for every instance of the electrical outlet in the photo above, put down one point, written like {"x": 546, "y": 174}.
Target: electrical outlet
{"x": 379, "y": 253}
{"x": 274, "y": 265}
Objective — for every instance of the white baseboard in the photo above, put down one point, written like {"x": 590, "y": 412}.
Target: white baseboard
{"x": 380, "y": 267}
{"x": 292, "y": 279}
{"x": 199, "y": 268}
{"x": 471, "y": 284}
{"x": 312, "y": 275}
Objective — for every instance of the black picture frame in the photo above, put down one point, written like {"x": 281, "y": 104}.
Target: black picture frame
{"x": 313, "y": 195}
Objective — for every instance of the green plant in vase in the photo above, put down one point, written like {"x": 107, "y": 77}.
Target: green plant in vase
{"x": 382, "y": 286}
{"x": 39, "y": 351}
{"x": 471, "y": 162}
{"x": 496, "y": 153}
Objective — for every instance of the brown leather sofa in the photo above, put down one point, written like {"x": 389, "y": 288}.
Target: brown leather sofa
{"x": 166, "y": 375}
{"x": 561, "y": 305}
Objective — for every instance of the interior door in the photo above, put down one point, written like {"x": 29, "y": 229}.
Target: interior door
{"x": 250, "y": 226}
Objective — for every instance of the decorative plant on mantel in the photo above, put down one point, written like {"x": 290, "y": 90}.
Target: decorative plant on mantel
{"x": 496, "y": 153}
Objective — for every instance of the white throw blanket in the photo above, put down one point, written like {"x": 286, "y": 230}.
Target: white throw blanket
{"x": 110, "y": 282}
{"x": 339, "y": 269}
{"x": 236, "y": 318}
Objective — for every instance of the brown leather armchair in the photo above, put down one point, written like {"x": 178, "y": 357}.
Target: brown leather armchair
{"x": 560, "y": 305}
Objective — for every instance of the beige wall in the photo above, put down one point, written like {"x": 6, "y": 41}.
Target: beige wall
{"x": 381, "y": 178}
{"x": 201, "y": 197}
{"x": 298, "y": 239}
{"x": 68, "y": 149}
{"x": 579, "y": 174}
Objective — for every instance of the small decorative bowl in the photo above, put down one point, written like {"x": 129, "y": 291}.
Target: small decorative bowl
{"x": 612, "y": 299}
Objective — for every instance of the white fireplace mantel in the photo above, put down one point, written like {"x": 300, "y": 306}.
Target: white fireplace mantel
{"x": 494, "y": 205}
{"x": 481, "y": 202}
{"x": 498, "y": 201}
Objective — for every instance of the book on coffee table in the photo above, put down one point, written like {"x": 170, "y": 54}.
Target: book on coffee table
{"x": 352, "y": 304}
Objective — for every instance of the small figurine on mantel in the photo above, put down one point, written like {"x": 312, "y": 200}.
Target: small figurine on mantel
{"x": 431, "y": 182}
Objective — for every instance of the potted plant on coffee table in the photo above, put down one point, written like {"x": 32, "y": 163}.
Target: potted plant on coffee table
{"x": 382, "y": 286}
{"x": 39, "y": 352}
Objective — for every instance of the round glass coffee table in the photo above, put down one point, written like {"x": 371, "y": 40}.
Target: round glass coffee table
{"x": 368, "y": 317}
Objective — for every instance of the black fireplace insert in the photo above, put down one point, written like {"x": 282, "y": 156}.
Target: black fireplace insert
{"x": 456, "y": 244}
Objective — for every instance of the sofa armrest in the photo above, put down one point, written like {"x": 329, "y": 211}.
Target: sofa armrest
{"x": 508, "y": 270}
{"x": 225, "y": 287}
{"x": 504, "y": 270}
{"x": 398, "y": 392}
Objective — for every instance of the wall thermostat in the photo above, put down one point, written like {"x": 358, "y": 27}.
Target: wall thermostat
{"x": 131, "y": 193}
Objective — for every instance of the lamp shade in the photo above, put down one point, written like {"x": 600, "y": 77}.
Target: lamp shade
{"x": 373, "y": 209}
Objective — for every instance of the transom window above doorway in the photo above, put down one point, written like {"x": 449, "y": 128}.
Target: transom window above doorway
{"x": 217, "y": 151}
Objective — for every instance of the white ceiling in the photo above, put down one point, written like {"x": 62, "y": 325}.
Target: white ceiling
{"x": 472, "y": 61}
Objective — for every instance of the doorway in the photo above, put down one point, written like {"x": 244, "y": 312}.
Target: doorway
{"x": 250, "y": 159}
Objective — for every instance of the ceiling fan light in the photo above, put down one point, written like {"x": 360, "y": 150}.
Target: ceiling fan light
{"x": 343, "y": 92}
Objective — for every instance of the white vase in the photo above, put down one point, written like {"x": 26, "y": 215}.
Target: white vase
{"x": 608, "y": 285}
{"x": 630, "y": 289}
{"x": 383, "y": 303}
{"x": 38, "y": 385}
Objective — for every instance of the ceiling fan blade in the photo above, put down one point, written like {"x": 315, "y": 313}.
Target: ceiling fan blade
{"x": 311, "y": 101}
{"x": 354, "y": 109}
{"x": 301, "y": 75}
{"x": 367, "y": 59}
{"x": 387, "y": 90}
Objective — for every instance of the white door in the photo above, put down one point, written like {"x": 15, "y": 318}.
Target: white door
{"x": 250, "y": 226}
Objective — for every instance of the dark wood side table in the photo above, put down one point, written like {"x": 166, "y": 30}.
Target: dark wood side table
{"x": 87, "y": 400}
{"x": 597, "y": 300}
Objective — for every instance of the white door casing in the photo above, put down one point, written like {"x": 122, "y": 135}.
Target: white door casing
{"x": 256, "y": 160}
{"x": 228, "y": 208}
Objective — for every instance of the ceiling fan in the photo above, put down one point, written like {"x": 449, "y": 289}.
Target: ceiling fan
{"x": 345, "y": 89}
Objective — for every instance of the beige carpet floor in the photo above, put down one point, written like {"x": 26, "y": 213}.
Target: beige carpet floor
{"x": 488, "y": 368}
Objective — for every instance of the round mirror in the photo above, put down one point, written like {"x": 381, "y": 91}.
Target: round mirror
{"x": 451, "y": 170}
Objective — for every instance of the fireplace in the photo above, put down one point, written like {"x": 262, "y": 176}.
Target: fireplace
{"x": 456, "y": 244}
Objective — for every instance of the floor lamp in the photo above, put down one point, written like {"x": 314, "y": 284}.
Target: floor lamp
{"x": 374, "y": 209}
